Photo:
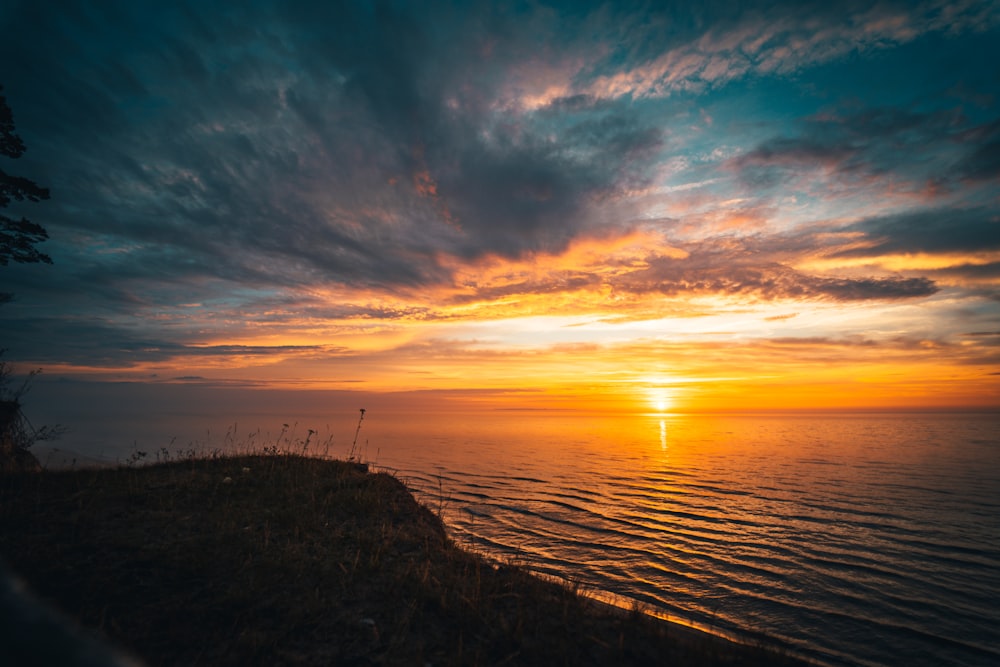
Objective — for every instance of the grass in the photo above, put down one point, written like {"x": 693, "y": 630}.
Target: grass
{"x": 282, "y": 559}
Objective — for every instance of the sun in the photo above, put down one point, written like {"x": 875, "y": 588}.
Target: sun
{"x": 661, "y": 399}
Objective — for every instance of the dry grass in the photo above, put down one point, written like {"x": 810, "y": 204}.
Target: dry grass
{"x": 287, "y": 560}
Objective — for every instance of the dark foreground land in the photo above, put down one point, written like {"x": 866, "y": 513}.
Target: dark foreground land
{"x": 286, "y": 560}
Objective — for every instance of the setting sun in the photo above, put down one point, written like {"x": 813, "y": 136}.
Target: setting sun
{"x": 661, "y": 399}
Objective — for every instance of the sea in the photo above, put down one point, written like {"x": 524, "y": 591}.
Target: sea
{"x": 848, "y": 539}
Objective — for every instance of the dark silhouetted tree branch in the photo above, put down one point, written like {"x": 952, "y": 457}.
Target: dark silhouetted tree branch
{"x": 17, "y": 237}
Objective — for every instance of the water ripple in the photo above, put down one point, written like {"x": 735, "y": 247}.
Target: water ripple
{"x": 832, "y": 545}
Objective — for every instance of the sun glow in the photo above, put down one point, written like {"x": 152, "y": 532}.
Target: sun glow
{"x": 661, "y": 399}
{"x": 550, "y": 331}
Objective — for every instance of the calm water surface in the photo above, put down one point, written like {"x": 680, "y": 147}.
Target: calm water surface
{"x": 857, "y": 540}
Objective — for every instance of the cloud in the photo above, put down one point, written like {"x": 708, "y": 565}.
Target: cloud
{"x": 737, "y": 269}
{"x": 375, "y": 153}
{"x": 329, "y": 174}
{"x": 982, "y": 163}
{"x": 534, "y": 193}
{"x": 767, "y": 39}
{"x": 103, "y": 343}
{"x": 925, "y": 152}
{"x": 732, "y": 276}
{"x": 353, "y": 145}
{"x": 935, "y": 231}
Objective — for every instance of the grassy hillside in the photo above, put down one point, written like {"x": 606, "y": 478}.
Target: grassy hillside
{"x": 287, "y": 560}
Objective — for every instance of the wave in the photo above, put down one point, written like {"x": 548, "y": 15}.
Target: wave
{"x": 850, "y": 559}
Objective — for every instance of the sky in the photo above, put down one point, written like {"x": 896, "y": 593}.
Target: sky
{"x": 660, "y": 206}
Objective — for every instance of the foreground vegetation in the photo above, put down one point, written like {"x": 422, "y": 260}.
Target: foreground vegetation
{"x": 287, "y": 560}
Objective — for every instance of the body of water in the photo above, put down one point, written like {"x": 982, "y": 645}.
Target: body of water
{"x": 854, "y": 539}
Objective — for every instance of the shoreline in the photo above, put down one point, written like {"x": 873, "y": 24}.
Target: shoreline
{"x": 693, "y": 631}
{"x": 621, "y": 604}
{"x": 312, "y": 561}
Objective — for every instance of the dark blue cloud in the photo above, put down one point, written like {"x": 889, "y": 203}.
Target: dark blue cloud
{"x": 938, "y": 148}
{"x": 940, "y": 230}
{"x": 318, "y": 139}
{"x": 92, "y": 341}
